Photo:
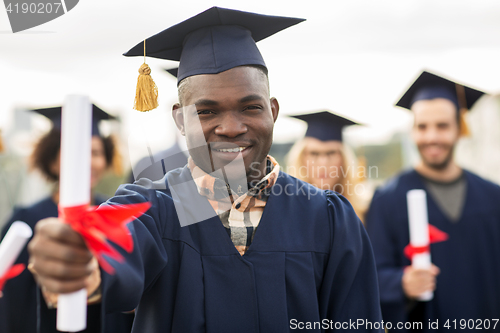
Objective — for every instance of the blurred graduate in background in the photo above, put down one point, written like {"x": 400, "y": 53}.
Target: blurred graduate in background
{"x": 18, "y": 306}
{"x": 322, "y": 159}
{"x": 465, "y": 271}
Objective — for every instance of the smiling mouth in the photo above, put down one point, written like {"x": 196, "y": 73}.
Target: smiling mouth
{"x": 230, "y": 150}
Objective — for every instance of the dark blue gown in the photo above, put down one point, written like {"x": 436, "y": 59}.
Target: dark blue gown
{"x": 18, "y": 306}
{"x": 310, "y": 260}
{"x": 166, "y": 160}
{"x": 469, "y": 284}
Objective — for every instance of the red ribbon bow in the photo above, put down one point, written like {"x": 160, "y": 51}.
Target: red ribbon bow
{"x": 11, "y": 273}
{"x": 435, "y": 236}
{"x": 97, "y": 225}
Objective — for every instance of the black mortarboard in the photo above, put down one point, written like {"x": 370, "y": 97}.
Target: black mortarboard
{"x": 213, "y": 41}
{"x": 54, "y": 114}
{"x": 429, "y": 86}
{"x": 173, "y": 71}
{"x": 324, "y": 125}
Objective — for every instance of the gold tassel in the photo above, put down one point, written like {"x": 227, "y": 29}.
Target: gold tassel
{"x": 146, "y": 94}
{"x": 464, "y": 128}
{"x": 1, "y": 143}
{"x": 462, "y": 102}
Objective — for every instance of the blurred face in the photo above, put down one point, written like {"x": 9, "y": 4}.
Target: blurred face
{"x": 435, "y": 131}
{"x": 98, "y": 161}
{"x": 228, "y": 121}
{"x": 324, "y": 161}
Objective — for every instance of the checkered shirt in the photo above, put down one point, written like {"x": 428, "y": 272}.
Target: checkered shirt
{"x": 239, "y": 212}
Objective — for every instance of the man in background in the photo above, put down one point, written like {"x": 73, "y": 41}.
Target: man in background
{"x": 465, "y": 271}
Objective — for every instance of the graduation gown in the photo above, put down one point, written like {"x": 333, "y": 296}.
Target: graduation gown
{"x": 18, "y": 306}
{"x": 310, "y": 260}
{"x": 164, "y": 161}
{"x": 468, "y": 286}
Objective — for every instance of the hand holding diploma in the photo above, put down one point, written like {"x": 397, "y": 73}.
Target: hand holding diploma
{"x": 419, "y": 280}
{"x": 62, "y": 249}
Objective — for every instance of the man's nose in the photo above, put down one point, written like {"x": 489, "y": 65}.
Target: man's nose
{"x": 431, "y": 135}
{"x": 231, "y": 125}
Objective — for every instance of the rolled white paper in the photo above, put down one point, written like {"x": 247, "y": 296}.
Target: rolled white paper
{"x": 13, "y": 243}
{"x": 76, "y": 136}
{"x": 72, "y": 311}
{"x": 74, "y": 190}
{"x": 419, "y": 232}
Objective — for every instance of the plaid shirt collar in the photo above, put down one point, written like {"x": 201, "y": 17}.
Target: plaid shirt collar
{"x": 217, "y": 189}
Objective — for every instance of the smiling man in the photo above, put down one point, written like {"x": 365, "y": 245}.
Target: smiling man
{"x": 230, "y": 244}
{"x": 465, "y": 273}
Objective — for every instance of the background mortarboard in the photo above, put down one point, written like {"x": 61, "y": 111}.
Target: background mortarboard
{"x": 429, "y": 86}
{"x": 213, "y": 41}
{"x": 324, "y": 125}
{"x": 54, "y": 114}
{"x": 173, "y": 71}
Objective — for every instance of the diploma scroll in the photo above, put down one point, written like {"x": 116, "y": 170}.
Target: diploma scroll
{"x": 419, "y": 233}
{"x": 13, "y": 243}
{"x": 74, "y": 190}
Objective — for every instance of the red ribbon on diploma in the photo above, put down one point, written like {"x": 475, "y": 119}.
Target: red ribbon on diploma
{"x": 11, "y": 273}
{"x": 435, "y": 236}
{"x": 97, "y": 225}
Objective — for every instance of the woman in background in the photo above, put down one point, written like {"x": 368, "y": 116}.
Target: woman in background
{"x": 323, "y": 160}
{"x": 18, "y": 306}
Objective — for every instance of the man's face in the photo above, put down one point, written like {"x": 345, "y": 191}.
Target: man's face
{"x": 435, "y": 131}
{"x": 236, "y": 117}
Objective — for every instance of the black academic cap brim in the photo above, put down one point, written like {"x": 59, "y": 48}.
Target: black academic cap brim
{"x": 214, "y": 41}
{"x": 430, "y": 81}
{"x": 325, "y": 125}
{"x": 54, "y": 115}
{"x": 168, "y": 43}
{"x": 173, "y": 71}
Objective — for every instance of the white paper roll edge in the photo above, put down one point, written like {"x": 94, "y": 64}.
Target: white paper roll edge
{"x": 13, "y": 243}
{"x": 72, "y": 311}
{"x": 74, "y": 190}
{"x": 419, "y": 232}
{"x": 417, "y": 217}
{"x": 76, "y": 136}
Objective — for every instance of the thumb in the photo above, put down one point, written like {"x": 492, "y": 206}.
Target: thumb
{"x": 434, "y": 270}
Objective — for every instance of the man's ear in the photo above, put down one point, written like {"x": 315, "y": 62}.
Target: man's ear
{"x": 275, "y": 108}
{"x": 178, "y": 116}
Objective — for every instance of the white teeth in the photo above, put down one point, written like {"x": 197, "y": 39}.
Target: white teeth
{"x": 233, "y": 150}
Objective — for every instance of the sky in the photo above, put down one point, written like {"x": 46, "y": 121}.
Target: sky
{"x": 353, "y": 57}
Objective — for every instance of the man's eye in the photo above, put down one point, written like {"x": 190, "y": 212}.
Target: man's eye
{"x": 204, "y": 111}
{"x": 253, "y": 107}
